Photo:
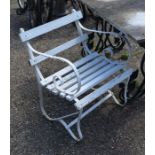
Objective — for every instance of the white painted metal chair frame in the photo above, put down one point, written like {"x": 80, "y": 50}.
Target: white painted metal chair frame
{"x": 58, "y": 80}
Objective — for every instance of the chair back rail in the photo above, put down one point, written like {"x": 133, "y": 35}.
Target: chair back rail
{"x": 58, "y": 49}
{"x": 50, "y": 26}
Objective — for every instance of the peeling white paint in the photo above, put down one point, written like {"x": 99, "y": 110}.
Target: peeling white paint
{"x": 136, "y": 19}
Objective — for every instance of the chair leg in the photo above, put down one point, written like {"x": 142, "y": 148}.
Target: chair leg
{"x": 126, "y": 91}
{"x": 79, "y": 125}
{"x": 61, "y": 119}
{"x": 114, "y": 97}
{"x": 125, "y": 94}
{"x": 68, "y": 128}
{"x": 41, "y": 97}
{"x": 80, "y": 113}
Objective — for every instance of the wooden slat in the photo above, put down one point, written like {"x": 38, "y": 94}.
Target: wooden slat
{"x": 84, "y": 68}
{"x": 68, "y": 68}
{"x": 88, "y": 75}
{"x": 50, "y": 26}
{"x": 98, "y": 92}
{"x": 92, "y": 77}
{"x": 59, "y": 49}
{"x": 98, "y": 79}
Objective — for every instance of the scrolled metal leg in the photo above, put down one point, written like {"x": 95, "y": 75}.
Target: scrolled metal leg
{"x": 114, "y": 98}
{"x": 78, "y": 124}
{"x": 61, "y": 119}
{"x": 124, "y": 94}
{"x": 126, "y": 91}
{"x": 71, "y": 132}
{"x": 44, "y": 111}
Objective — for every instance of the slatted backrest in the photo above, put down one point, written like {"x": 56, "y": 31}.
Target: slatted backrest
{"x": 40, "y": 30}
{"x": 50, "y": 26}
{"x": 58, "y": 49}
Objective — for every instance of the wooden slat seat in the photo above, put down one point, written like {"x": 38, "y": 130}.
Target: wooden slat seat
{"x": 93, "y": 70}
{"x": 100, "y": 91}
{"x": 76, "y": 82}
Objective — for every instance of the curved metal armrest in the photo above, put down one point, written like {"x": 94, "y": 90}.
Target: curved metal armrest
{"x": 117, "y": 35}
{"x": 59, "y": 77}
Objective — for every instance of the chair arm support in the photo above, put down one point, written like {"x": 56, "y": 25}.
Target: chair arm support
{"x": 117, "y": 35}
{"x": 58, "y": 77}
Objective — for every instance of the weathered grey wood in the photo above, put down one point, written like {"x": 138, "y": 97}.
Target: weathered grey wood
{"x": 126, "y": 15}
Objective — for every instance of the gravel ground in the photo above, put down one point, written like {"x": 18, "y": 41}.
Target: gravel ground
{"x": 110, "y": 130}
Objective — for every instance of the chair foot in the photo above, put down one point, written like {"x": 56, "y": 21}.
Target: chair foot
{"x": 125, "y": 95}
{"x": 77, "y": 138}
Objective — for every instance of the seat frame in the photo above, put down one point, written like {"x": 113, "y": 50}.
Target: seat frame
{"x": 80, "y": 105}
